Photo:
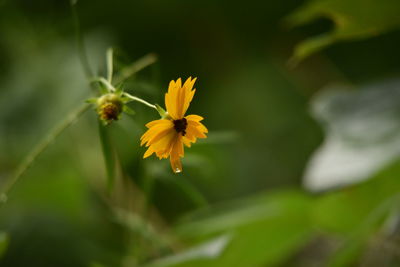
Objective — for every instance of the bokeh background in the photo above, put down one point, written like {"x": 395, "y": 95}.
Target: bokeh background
{"x": 301, "y": 166}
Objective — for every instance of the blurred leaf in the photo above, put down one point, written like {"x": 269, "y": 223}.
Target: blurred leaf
{"x": 137, "y": 224}
{"x": 353, "y": 19}
{"x": 265, "y": 230}
{"x": 3, "y": 243}
{"x": 353, "y": 246}
{"x": 190, "y": 191}
{"x": 357, "y": 213}
{"x": 206, "y": 251}
{"x": 108, "y": 153}
{"x": 362, "y": 134}
{"x": 345, "y": 210}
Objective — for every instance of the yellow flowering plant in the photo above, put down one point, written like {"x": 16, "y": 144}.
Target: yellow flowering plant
{"x": 166, "y": 136}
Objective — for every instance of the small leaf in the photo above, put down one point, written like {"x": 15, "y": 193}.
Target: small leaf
{"x": 161, "y": 111}
{"x": 91, "y": 100}
{"x": 128, "y": 110}
{"x": 119, "y": 90}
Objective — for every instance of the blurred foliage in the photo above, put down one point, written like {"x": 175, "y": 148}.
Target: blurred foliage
{"x": 354, "y": 19}
{"x": 362, "y": 133}
{"x": 330, "y": 124}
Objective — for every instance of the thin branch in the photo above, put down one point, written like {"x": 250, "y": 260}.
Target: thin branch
{"x": 109, "y": 86}
{"x": 41, "y": 146}
{"x": 109, "y": 65}
{"x": 137, "y": 99}
{"x": 136, "y": 66}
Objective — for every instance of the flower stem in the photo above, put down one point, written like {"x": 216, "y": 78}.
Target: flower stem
{"x": 137, "y": 99}
{"x": 139, "y": 64}
{"x": 109, "y": 59}
{"x": 102, "y": 80}
{"x": 40, "y": 147}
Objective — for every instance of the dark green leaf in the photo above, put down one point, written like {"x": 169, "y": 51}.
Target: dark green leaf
{"x": 353, "y": 19}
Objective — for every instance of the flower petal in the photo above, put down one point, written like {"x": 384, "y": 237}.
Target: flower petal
{"x": 193, "y": 117}
{"x": 176, "y": 153}
{"x": 157, "y": 130}
{"x": 178, "y": 98}
{"x": 148, "y": 153}
{"x": 155, "y": 122}
{"x": 194, "y": 130}
{"x": 163, "y": 146}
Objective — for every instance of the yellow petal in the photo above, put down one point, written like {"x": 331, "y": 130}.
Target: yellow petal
{"x": 186, "y": 141}
{"x": 189, "y": 83}
{"x": 197, "y": 128}
{"x": 155, "y": 122}
{"x": 176, "y": 153}
{"x": 194, "y": 117}
{"x": 198, "y": 125}
{"x": 148, "y": 152}
{"x": 163, "y": 146}
{"x": 178, "y": 98}
{"x": 156, "y": 131}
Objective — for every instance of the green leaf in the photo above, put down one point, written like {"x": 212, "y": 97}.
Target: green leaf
{"x": 161, "y": 111}
{"x": 353, "y": 19}
{"x": 203, "y": 253}
{"x": 3, "y": 243}
{"x": 128, "y": 110}
{"x": 91, "y": 100}
{"x": 108, "y": 153}
{"x": 345, "y": 210}
{"x": 357, "y": 214}
{"x": 265, "y": 230}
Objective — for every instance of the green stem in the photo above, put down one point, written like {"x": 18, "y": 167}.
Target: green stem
{"x": 40, "y": 147}
{"x": 109, "y": 86}
{"x": 109, "y": 64}
{"x": 137, "y": 99}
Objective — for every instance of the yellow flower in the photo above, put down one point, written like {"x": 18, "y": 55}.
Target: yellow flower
{"x": 166, "y": 137}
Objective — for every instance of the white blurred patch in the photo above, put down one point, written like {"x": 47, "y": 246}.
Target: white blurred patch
{"x": 362, "y": 134}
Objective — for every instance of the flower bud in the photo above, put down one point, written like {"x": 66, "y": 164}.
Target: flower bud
{"x": 109, "y": 107}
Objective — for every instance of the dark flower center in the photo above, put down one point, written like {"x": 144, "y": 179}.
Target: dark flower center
{"x": 180, "y": 126}
{"x": 110, "y": 112}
